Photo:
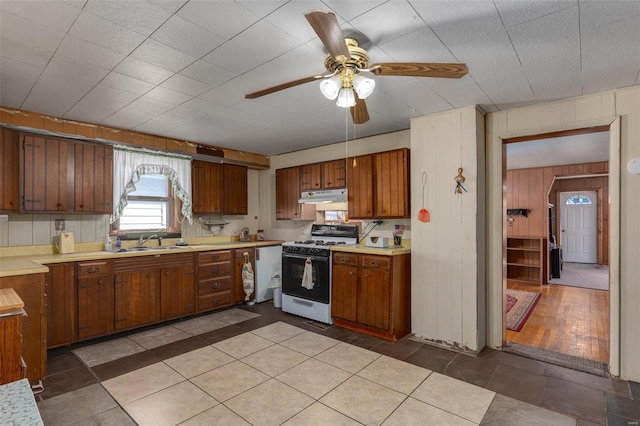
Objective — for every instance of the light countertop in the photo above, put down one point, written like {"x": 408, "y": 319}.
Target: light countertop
{"x": 383, "y": 251}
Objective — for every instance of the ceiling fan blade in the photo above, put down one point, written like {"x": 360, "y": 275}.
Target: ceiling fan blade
{"x": 325, "y": 24}
{"x": 359, "y": 112}
{"x": 420, "y": 69}
{"x": 282, "y": 86}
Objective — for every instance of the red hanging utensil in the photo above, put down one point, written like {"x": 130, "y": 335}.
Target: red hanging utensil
{"x": 423, "y": 213}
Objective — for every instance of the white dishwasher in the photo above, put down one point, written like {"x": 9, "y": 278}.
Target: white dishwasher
{"x": 268, "y": 262}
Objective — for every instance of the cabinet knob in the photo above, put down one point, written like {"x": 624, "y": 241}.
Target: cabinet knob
{"x": 351, "y": 273}
{"x": 166, "y": 273}
{"x": 214, "y": 270}
{"x": 215, "y": 285}
{"x": 59, "y": 205}
{"x": 343, "y": 259}
{"x": 82, "y": 206}
{"x": 99, "y": 281}
{"x": 375, "y": 263}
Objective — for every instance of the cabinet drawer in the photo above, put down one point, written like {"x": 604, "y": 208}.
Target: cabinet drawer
{"x": 345, "y": 259}
{"x": 214, "y": 284}
{"x": 91, "y": 269}
{"x": 214, "y": 256}
{"x": 214, "y": 300}
{"x": 378, "y": 262}
{"x": 214, "y": 270}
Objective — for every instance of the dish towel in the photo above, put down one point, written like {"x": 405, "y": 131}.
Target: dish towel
{"x": 307, "y": 276}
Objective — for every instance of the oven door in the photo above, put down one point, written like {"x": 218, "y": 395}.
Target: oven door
{"x": 293, "y": 270}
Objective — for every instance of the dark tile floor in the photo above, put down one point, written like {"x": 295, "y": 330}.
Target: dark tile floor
{"x": 590, "y": 399}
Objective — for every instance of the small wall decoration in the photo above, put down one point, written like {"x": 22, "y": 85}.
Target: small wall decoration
{"x": 459, "y": 180}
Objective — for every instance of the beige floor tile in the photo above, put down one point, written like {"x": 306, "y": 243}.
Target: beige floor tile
{"x": 320, "y": 415}
{"x": 364, "y": 401}
{"x": 199, "y": 361}
{"x": 218, "y": 415}
{"x": 414, "y": 412}
{"x": 274, "y": 360}
{"x": 229, "y": 380}
{"x": 397, "y": 375}
{"x": 71, "y": 407}
{"x": 159, "y": 336}
{"x": 113, "y": 417}
{"x": 200, "y": 325}
{"x": 455, "y": 396}
{"x": 170, "y": 406}
{"x": 101, "y": 353}
{"x": 309, "y": 343}
{"x": 234, "y": 316}
{"x": 140, "y": 383}
{"x": 278, "y": 331}
{"x": 269, "y": 403}
{"x": 348, "y": 357}
{"x": 243, "y": 345}
{"x": 314, "y": 378}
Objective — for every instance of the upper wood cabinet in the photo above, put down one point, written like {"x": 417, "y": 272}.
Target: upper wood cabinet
{"x": 378, "y": 185}
{"x": 287, "y": 193}
{"x": 326, "y": 175}
{"x": 93, "y": 178}
{"x": 47, "y": 174}
{"x": 9, "y": 170}
{"x": 219, "y": 188}
{"x": 311, "y": 177}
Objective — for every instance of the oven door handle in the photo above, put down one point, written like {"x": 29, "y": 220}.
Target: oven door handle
{"x": 302, "y": 302}
{"x": 303, "y": 257}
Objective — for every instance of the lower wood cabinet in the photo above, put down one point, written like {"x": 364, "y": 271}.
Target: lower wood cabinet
{"x": 60, "y": 304}
{"x": 136, "y": 292}
{"x": 215, "y": 280}
{"x": 177, "y": 286}
{"x": 372, "y": 294}
{"x": 11, "y": 348}
{"x": 94, "y": 298}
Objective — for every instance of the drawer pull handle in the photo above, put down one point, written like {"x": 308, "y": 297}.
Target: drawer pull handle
{"x": 343, "y": 259}
{"x": 215, "y": 301}
{"x": 215, "y": 270}
{"x": 216, "y": 285}
{"x": 375, "y": 263}
{"x": 93, "y": 269}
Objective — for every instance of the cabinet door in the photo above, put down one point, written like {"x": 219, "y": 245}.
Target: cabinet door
{"x": 344, "y": 287}
{"x": 360, "y": 186}
{"x": 310, "y": 178}
{"x": 137, "y": 298}
{"x": 334, "y": 174}
{"x": 95, "y": 306}
{"x": 392, "y": 184}
{"x": 374, "y": 298}
{"x": 287, "y": 193}
{"x": 234, "y": 189}
{"x": 238, "y": 289}
{"x": 93, "y": 188}
{"x": 47, "y": 174}
{"x": 9, "y": 170}
{"x": 207, "y": 185}
{"x": 178, "y": 291}
{"x": 60, "y": 304}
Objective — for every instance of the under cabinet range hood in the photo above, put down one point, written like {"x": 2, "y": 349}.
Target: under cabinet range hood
{"x": 324, "y": 196}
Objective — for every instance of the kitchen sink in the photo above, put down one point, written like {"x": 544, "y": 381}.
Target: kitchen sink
{"x": 158, "y": 248}
{"x": 164, "y": 247}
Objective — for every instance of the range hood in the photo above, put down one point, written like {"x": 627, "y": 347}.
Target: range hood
{"x": 324, "y": 196}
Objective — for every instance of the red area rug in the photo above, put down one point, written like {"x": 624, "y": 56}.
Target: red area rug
{"x": 520, "y": 304}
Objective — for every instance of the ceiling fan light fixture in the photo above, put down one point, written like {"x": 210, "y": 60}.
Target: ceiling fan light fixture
{"x": 330, "y": 87}
{"x": 346, "y": 98}
{"x": 363, "y": 86}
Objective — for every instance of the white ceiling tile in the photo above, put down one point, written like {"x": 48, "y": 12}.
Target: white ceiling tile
{"x": 143, "y": 71}
{"x": 84, "y": 51}
{"x": 29, "y": 33}
{"x": 55, "y": 15}
{"x": 207, "y": 73}
{"x": 266, "y": 42}
{"x": 29, "y": 54}
{"x": 139, "y": 16}
{"x": 594, "y": 14}
{"x": 171, "y": 6}
{"x": 167, "y": 95}
{"x": 94, "y": 114}
{"x": 199, "y": 107}
{"x": 106, "y": 98}
{"x": 46, "y": 99}
{"x": 514, "y": 12}
{"x": 458, "y": 92}
{"x": 147, "y": 107}
{"x": 18, "y": 74}
{"x": 290, "y": 18}
{"x": 159, "y": 54}
{"x": 352, "y": 9}
{"x": 78, "y": 4}
{"x": 301, "y": 61}
{"x": 154, "y": 125}
{"x": 620, "y": 75}
{"x": 63, "y": 70}
{"x": 263, "y": 7}
{"x": 124, "y": 120}
{"x": 214, "y": 16}
{"x": 611, "y": 44}
{"x": 183, "y": 35}
{"x": 128, "y": 84}
{"x": 388, "y": 21}
{"x": 421, "y": 45}
{"x": 105, "y": 33}
{"x": 12, "y": 96}
{"x": 186, "y": 85}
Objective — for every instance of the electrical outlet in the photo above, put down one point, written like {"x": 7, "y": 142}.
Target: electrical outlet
{"x": 60, "y": 224}
{"x": 378, "y": 222}
{"x": 4, "y": 218}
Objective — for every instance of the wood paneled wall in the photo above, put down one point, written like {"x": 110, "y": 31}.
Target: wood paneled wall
{"x": 534, "y": 188}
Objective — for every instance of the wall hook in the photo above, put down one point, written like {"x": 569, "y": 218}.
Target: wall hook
{"x": 459, "y": 180}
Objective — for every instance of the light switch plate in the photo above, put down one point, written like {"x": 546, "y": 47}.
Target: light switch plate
{"x": 4, "y": 218}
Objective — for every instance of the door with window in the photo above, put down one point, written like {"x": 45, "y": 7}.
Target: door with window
{"x": 579, "y": 227}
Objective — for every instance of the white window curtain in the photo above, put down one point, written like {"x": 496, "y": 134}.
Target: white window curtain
{"x": 129, "y": 164}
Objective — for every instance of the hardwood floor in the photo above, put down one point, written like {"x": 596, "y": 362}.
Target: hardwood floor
{"x": 570, "y": 320}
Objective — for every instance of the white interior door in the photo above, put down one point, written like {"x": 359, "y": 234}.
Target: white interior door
{"x": 579, "y": 226}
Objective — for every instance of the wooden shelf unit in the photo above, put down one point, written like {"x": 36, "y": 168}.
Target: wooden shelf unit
{"x": 526, "y": 260}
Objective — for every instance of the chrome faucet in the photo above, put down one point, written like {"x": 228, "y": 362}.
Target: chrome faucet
{"x": 142, "y": 241}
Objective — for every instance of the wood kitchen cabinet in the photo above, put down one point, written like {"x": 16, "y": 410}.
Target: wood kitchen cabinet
{"x": 30, "y": 288}
{"x": 94, "y": 298}
{"x": 234, "y": 189}
{"x": 215, "y": 280}
{"x": 60, "y": 304}
{"x": 47, "y": 174}
{"x": 177, "y": 286}
{"x": 238, "y": 288}
{"x": 206, "y": 182}
{"x": 288, "y": 192}
{"x": 136, "y": 292}
{"x": 9, "y": 170}
{"x": 334, "y": 174}
{"x": 378, "y": 301}
{"x": 93, "y": 177}
{"x": 378, "y": 185}
{"x": 311, "y": 177}
{"x": 11, "y": 366}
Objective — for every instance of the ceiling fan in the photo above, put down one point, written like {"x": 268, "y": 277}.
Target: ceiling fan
{"x": 345, "y": 62}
